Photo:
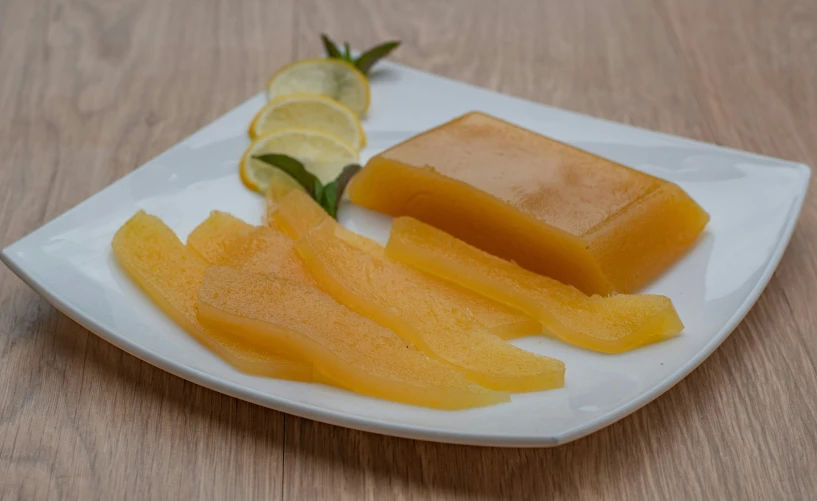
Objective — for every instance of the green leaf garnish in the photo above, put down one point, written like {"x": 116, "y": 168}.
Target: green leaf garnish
{"x": 328, "y": 196}
{"x": 329, "y": 199}
{"x": 366, "y": 60}
{"x": 369, "y": 58}
{"x": 332, "y": 192}
{"x": 331, "y": 49}
{"x": 296, "y": 170}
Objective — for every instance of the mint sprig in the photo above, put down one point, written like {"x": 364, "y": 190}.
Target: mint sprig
{"x": 366, "y": 60}
{"x": 331, "y": 49}
{"x": 328, "y": 196}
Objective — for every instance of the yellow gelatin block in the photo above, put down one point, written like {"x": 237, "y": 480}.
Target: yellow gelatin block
{"x": 611, "y": 324}
{"x": 225, "y": 240}
{"x": 408, "y": 302}
{"x": 298, "y": 213}
{"x": 170, "y": 274}
{"x": 342, "y": 345}
{"x": 547, "y": 206}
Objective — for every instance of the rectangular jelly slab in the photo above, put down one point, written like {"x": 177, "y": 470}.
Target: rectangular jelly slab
{"x": 550, "y": 207}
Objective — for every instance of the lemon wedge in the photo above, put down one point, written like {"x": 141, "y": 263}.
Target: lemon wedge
{"x": 322, "y": 154}
{"x": 333, "y": 78}
{"x": 309, "y": 111}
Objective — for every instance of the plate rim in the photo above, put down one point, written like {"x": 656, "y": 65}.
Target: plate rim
{"x": 397, "y": 429}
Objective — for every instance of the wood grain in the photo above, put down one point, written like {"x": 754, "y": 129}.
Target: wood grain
{"x": 91, "y": 89}
{"x": 755, "y": 75}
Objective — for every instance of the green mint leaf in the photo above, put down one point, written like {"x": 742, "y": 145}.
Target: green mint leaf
{"x": 327, "y": 196}
{"x": 333, "y": 192}
{"x": 347, "y": 54}
{"x": 296, "y": 170}
{"x": 345, "y": 176}
{"x": 329, "y": 199}
{"x": 331, "y": 49}
{"x": 369, "y": 58}
{"x": 320, "y": 190}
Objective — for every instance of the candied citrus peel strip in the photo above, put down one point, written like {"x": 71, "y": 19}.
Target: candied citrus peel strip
{"x": 295, "y": 213}
{"x": 212, "y": 236}
{"x": 170, "y": 274}
{"x": 406, "y": 301}
{"x": 346, "y": 347}
{"x": 611, "y": 324}
{"x": 224, "y": 240}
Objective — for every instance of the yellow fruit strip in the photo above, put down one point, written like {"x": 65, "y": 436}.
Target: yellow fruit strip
{"x": 296, "y": 213}
{"x": 407, "y": 302}
{"x": 225, "y": 240}
{"x": 170, "y": 274}
{"x": 280, "y": 184}
{"x": 346, "y": 347}
{"x": 228, "y": 241}
{"x": 211, "y": 238}
{"x": 607, "y": 324}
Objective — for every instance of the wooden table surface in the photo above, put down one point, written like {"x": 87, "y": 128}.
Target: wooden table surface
{"x": 91, "y": 89}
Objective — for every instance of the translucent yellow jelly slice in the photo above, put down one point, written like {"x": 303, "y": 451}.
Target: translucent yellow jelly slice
{"x": 346, "y": 347}
{"x": 170, "y": 274}
{"x": 280, "y": 185}
{"x": 406, "y": 301}
{"x": 211, "y": 238}
{"x": 296, "y": 213}
{"x": 607, "y": 324}
{"x": 228, "y": 241}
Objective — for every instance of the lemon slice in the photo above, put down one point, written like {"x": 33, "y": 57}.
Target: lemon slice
{"x": 329, "y": 77}
{"x": 321, "y": 154}
{"x": 309, "y": 111}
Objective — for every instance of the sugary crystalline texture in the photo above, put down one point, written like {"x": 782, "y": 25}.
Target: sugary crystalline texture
{"x": 344, "y": 346}
{"x": 225, "y": 240}
{"x": 401, "y": 299}
{"x": 211, "y": 238}
{"x": 279, "y": 186}
{"x": 547, "y": 206}
{"x": 296, "y": 213}
{"x": 170, "y": 274}
{"x": 607, "y": 324}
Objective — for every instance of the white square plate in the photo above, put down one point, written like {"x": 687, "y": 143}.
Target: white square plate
{"x": 754, "y": 202}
